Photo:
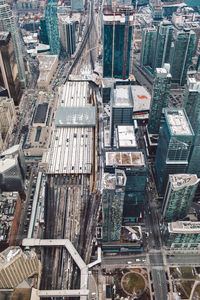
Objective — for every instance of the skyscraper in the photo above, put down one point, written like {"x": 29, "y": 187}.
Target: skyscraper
{"x": 148, "y": 47}
{"x": 43, "y": 32}
{"x": 192, "y": 107}
{"x": 161, "y": 88}
{"x": 117, "y": 36}
{"x": 7, "y": 23}
{"x": 121, "y": 108}
{"x": 67, "y": 29}
{"x": 9, "y": 76}
{"x": 174, "y": 146}
{"x": 51, "y": 19}
{"x": 192, "y": 100}
{"x": 178, "y": 197}
{"x": 181, "y": 55}
{"x": 112, "y": 205}
{"x": 163, "y": 44}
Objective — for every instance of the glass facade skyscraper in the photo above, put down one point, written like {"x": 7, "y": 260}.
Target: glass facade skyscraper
{"x": 163, "y": 45}
{"x": 148, "y": 47}
{"x": 181, "y": 55}
{"x": 67, "y": 30}
{"x": 174, "y": 146}
{"x": 51, "y": 20}
{"x": 161, "y": 89}
{"x": 112, "y": 205}
{"x": 178, "y": 197}
{"x": 117, "y": 37}
{"x": 192, "y": 107}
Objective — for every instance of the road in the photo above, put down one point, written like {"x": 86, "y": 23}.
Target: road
{"x": 159, "y": 284}
{"x": 183, "y": 259}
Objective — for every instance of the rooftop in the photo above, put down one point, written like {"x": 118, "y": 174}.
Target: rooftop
{"x": 75, "y": 116}
{"x": 184, "y": 227}
{"x": 41, "y": 112}
{"x": 180, "y": 181}
{"x": 141, "y": 98}
{"x": 9, "y": 254}
{"x": 4, "y": 35}
{"x": 71, "y": 150}
{"x": 134, "y": 159}
{"x": 122, "y": 96}
{"x": 178, "y": 122}
{"x": 126, "y": 137}
{"x": 46, "y": 61}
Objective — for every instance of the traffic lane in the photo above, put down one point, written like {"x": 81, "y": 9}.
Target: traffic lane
{"x": 183, "y": 259}
{"x": 156, "y": 259}
{"x": 159, "y": 284}
{"x": 128, "y": 260}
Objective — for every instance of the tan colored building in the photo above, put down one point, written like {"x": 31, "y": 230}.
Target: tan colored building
{"x": 47, "y": 66}
{"x": 16, "y": 266}
{"x": 7, "y": 120}
{"x": 39, "y": 134}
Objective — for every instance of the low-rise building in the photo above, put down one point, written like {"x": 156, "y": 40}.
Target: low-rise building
{"x": 39, "y": 134}
{"x": 16, "y": 266}
{"x": 47, "y": 66}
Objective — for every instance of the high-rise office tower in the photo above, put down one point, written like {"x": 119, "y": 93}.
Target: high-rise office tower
{"x": 117, "y": 37}
{"x": 161, "y": 88}
{"x": 112, "y": 205}
{"x": 9, "y": 76}
{"x": 192, "y": 107}
{"x": 7, "y": 23}
{"x": 148, "y": 47}
{"x": 174, "y": 146}
{"x": 163, "y": 44}
{"x": 134, "y": 165}
{"x": 67, "y": 29}
{"x": 43, "y": 32}
{"x": 192, "y": 100}
{"x": 181, "y": 55}
{"x": 121, "y": 108}
{"x": 51, "y": 20}
{"x": 178, "y": 197}
{"x": 77, "y": 5}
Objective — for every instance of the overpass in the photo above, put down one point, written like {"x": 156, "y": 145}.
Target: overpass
{"x": 83, "y": 292}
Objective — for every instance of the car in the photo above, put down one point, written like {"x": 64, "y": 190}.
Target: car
{"x": 129, "y": 262}
{"x": 137, "y": 259}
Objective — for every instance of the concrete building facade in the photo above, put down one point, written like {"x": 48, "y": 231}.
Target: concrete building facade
{"x": 121, "y": 108}
{"x": 47, "y": 67}
{"x": 16, "y": 266}
{"x": 7, "y": 121}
